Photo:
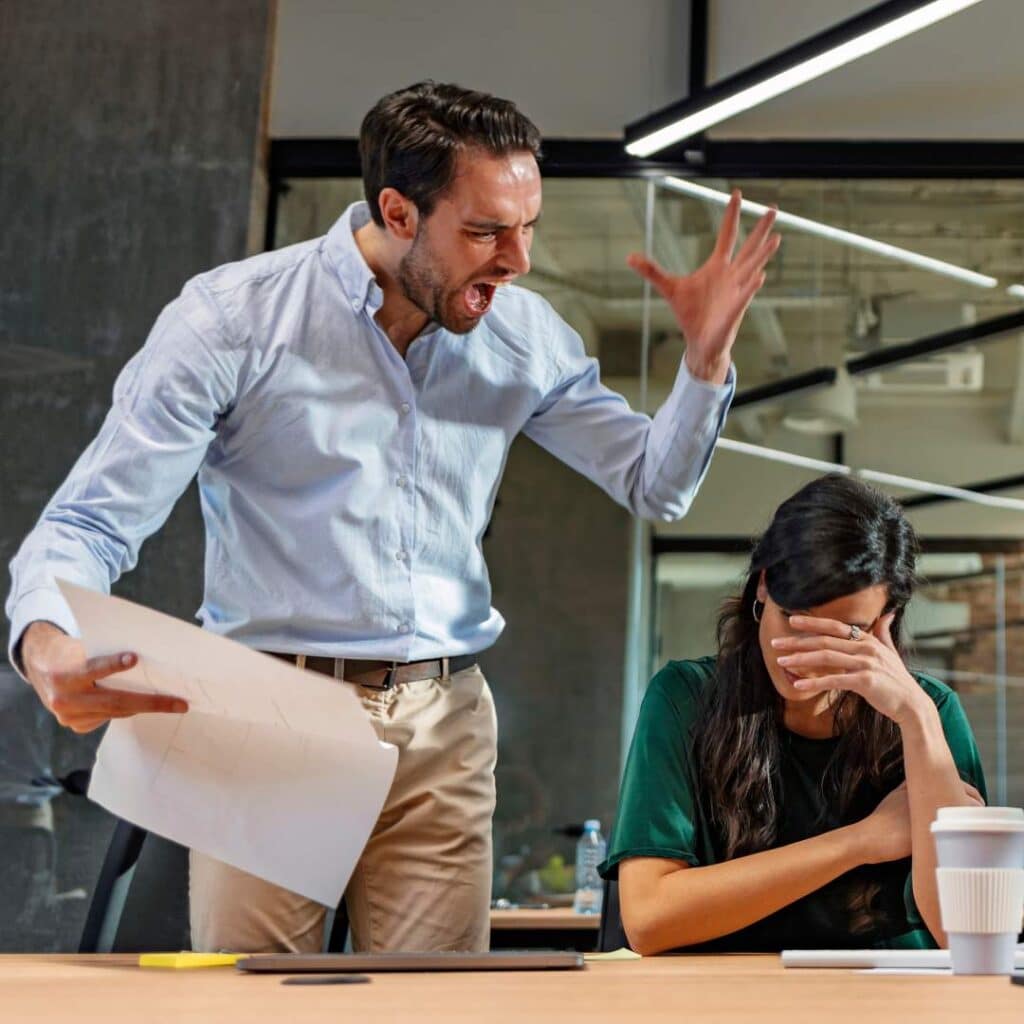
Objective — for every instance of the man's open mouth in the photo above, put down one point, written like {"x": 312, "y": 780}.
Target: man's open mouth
{"x": 478, "y": 297}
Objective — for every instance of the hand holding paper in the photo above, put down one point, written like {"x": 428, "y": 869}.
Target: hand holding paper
{"x": 273, "y": 770}
{"x": 64, "y": 678}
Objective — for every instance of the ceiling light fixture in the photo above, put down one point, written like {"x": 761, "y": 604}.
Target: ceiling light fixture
{"x": 976, "y": 498}
{"x": 777, "y": 455}
{"x": 831, "y": 410}
{"x": 875, "y": 476}
{"x": 848, "y": 41}
{"x": 850, "y": 238}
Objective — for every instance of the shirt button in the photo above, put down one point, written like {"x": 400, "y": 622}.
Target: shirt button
{"x": 405, "y": 407}
{"x": 402, "y": 481}
{"x": 404, "y": 628}
{"x": 357, "y": 305}
{"x": 401, "y": 555}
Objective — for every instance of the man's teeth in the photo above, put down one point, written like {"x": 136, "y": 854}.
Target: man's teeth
{"x": 478, "y": 298}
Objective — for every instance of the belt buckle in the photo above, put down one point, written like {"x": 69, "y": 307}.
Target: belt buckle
{"x": 389, "y": 676}
{"x": 387, "y": 682}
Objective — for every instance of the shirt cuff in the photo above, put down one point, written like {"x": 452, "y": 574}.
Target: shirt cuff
{"x": 38, "y": 605}
{"x": 686, "y": 380}
{"x": 700, "y": 407}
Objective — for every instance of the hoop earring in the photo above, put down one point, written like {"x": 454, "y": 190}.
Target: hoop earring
{"x": 757, "y": 610}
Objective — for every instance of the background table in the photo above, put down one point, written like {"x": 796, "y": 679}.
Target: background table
{"x": 556, "y": 928}
{"x": 726, "y": 989}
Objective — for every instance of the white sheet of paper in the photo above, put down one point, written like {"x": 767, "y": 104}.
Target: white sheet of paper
{"x": 273, "y": 769}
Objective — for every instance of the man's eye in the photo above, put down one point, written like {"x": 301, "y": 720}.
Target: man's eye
{"x": 485, "y": 235}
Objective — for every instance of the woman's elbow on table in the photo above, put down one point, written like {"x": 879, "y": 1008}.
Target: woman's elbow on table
{"x": 643, "y": 904}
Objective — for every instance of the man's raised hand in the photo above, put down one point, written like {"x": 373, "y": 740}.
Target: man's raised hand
{"x": 709, "y": 303}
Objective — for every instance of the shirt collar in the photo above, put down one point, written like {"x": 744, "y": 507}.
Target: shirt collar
{"x": 353, "y": 270}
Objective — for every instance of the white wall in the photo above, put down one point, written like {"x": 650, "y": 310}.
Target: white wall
{"x": 958, "y": 79}
{"x": 579, "y": 68}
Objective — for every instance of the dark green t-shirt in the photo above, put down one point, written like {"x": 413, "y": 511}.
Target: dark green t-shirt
{"x": 661, "y": 814}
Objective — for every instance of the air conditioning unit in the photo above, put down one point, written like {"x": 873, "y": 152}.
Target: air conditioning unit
{"x": 943, "y": 372}
{"x": 903, "y": 320}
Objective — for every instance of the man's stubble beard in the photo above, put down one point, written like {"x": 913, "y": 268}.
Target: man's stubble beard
{"x": 421, "y": 285}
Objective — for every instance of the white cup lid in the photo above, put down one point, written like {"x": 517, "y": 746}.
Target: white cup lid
{"x": 979, "y": 819}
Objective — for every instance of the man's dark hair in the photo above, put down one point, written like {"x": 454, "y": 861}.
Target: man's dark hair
{"x": 411, "y": 139}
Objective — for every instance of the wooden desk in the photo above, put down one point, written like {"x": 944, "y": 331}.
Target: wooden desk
{"x": 726, "y": 989}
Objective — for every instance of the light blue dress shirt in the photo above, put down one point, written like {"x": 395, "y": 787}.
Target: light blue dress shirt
{"x": 345, "y": 491}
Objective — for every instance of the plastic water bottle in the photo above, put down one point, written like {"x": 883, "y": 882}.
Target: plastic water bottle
{"x": 590, "y": 851}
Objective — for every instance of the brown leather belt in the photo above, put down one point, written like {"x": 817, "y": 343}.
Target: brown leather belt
{"x": 380, "y": 675}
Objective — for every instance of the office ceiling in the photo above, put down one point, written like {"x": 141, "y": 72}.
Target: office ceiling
{"x": 957, "y": 79}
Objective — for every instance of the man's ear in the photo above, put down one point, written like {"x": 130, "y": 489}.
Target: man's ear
{"x": 762, "y": 588}
{"x": 401, "y": 218}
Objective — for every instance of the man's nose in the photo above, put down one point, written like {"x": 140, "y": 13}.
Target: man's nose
{"x": 515, "y": 254}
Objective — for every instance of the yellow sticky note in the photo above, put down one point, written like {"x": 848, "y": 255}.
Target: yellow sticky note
{"x": 616, "y": 954}
{"x": 182, "y": 960}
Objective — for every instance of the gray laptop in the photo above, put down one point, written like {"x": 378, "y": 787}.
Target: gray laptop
{"x": 372, "y": 963}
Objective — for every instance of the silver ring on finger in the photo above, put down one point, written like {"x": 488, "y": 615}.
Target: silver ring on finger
{"x": 856, "y": 633}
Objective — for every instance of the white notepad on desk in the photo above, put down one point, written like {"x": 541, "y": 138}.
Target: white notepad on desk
{"x": 867, "y": 959}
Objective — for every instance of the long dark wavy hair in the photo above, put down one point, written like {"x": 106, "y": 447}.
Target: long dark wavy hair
{"x": 834, "y": 537}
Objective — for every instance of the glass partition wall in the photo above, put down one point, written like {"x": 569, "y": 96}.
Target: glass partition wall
{"x": 965, "y": 626}
{"x": 867, "y": 268}
{"x": 834, "y": 295}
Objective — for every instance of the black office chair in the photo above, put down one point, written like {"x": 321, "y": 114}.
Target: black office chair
{"x": 141, "y": 898}
{"x": 611, "y": 935}
{"x": 108, "y": 899}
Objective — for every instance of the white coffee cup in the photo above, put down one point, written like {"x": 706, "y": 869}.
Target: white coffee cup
{"x": 981, "y": 885}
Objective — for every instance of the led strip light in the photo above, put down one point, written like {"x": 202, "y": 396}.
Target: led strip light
{"x": 875, "y": 476}
{"x": 855, "y": 241}
{"x": 799, "y": 74}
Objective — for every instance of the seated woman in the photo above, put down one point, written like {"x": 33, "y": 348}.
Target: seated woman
{"x": 780, "y": 795}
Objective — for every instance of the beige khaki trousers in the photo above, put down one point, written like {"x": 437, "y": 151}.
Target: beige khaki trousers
{"x": 424, "y": 880}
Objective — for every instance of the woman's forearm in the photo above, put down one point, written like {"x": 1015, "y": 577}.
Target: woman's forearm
{"x": 932, "y": 782}
{"x": 688, "y": 905}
